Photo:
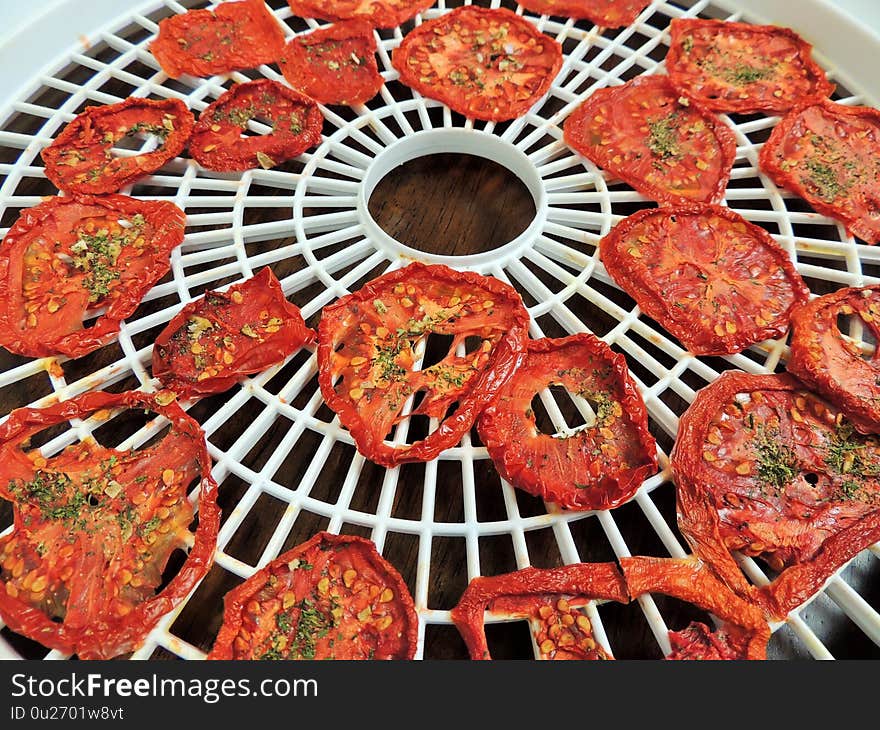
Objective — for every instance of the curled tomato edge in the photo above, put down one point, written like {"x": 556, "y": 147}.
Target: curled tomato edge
{"x": 319, "y": 10}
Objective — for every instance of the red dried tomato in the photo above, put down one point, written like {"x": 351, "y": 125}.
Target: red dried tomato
{"x": 668, "y": 148}
{"x": 829, "y": 154}
{"x": 717, "y": 282}
{"x": 94, "y": 528}
{"x": 216, "y": 339}
{"x": 832, "y": 364}
{"x": 597, "y": 467}
{"x": 235, "y": 35}
{"x": 379, "y": 13}
{"x": 765, "y": 467}
{"x": 738, "y": 67}
{"x": 485, "y": 64}
{"x": 333, "y": 597}
{"x": 69, "y": 256}
{"x": 218, "y": 142}
{"x": 550, "y": 599}
{"x": 607, "y": 13}
{"x": 743, "y": 633}
{"x": 335, "y": 64}
{"x": 81, "y": 160}
{"x": 367, "y": 345}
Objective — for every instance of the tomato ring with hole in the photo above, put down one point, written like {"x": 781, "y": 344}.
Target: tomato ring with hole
{"x": 233, "y": 36}
{"x": 335, "y": 64}
{"x": 832, "y": 364}
{"x": 599, "y": 466}
{"x": 489, "y": 64}
{"x": 767, "y": 468}
{"x": 378, "y": 13}
{"x": 215, "y": 340}
{"x": 605, "y": 13}
{"x": 94, "y": 527}
{"x": 67, "y": 257}
{"x": 550, "y": 599}
{"x": 669, "y": 148}
{"x": 367, "y": 344}
{"x": 715, "y": 281}
{"x": 218, "y": 142}
{"x": 333, "y": 597}
{"x": 829, "y": 154}
{"x": 81, "y": 160}
{"x": 744, "y": 631}
{"x": 743, "y": 68}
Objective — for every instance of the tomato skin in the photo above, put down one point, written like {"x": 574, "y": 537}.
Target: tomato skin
{"x": 744, "y": 629}
{"x": 606, "y": 13}
{"x": 457, "y": 40}
{"x": 217, "y": 143}
{"x": 566, "y": 471}
{"x": 378, "y": 13}
{"x": 107, "y": 635}
{"x": 521, "y": 593}
{"x": 654, "y": 253}
{"x": 59, "y": 220}
{"x": 335, "y": 64}
{"x": 318, "y": 560}
{"x": 827, "y": 363}
{"x": 234, "y": 36}
{"x": 642, "y": 133}
{"x": 697, "y": 66}
{"x": 829, "y": 154}
{"x": 369, "y": 416}
{"x": 805, "y": 529}
{"x": 79, "y": 160}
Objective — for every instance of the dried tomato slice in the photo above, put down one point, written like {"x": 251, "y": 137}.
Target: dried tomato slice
{"x": 221, "y": 336}
{"x": 550, "y": 599}
{"x": 218, "y": 143}
{"x": 379, "y": 13}
{"x": 485, "y": 64}
{"x": 596, "y": 467}
{"x": 738, "y": 67}
{"x": 607, "y": 13}
{"x": 670, "y": 149}
{"x": 333, "y": 597}
{"x": 743, "y": 633}
{"x": 829, "y": 154}
{"x": 81, "y": 160}
{"x": 714, "y": 280}
{"x": 768, "y": 468}
{"x": 94, "y": 528}
{"x": 367, "y": 348}
{"x": 335, "y": 64}
{"x": 68, "y": 256}
{"x": 832, "y": 364}
{"x": 235, "y": 35}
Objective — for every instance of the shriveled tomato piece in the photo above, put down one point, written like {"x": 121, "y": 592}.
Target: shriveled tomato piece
{"x": 333, "y": 597}
{"x": 739, "y": 67}
{"x": 81, "y": 158}
{"x": 335, "y": 64}
{"x": 235, "y": 35}
{"x": 599, "y": 466}
{"x": 94, "y": 528}
{"x": 607, "y": 13}
{"x": 485, "y": 64}
{"x": 550, "y": 599}
{"x": 829, "y": 154}
{"x": 743, "y": 633}
{"x": 765, "y": 467}
{"x": 668, "y": 148}
{"x": 367, "y": 343}
{"x": 830, "y": 362}
{"x": 218, "y": 142}
{"x": 69, "y": 256}
{"x": 714, "y": 280}
{"x": 379, "y": 13}
{"x": 221, "y": 336}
